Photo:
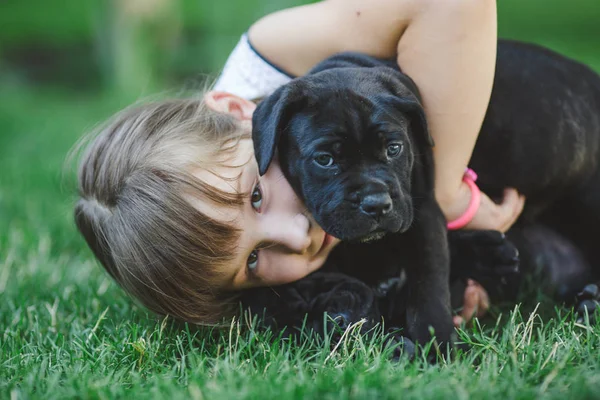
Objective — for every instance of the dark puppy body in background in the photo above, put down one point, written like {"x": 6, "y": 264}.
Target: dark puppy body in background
{"x": 541, "y": 135}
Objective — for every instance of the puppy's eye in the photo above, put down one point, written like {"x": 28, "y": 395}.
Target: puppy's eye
{"x": 252, "y": 262}
{"x": 256, "y": 197}
{"x": 324, "y": 160}
{"x": 393, "y": 149}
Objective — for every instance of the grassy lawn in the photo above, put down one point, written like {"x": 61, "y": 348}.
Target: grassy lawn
{"x": 67, "y": 331}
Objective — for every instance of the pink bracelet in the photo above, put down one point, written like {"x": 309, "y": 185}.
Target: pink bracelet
{"x": 469, "y": 178}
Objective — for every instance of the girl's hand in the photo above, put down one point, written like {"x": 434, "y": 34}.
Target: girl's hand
{"x": 475, "y": 304}
{"x": 490, "y": 215}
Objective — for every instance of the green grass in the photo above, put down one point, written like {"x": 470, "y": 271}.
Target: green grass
{"x": 67, "y": 331}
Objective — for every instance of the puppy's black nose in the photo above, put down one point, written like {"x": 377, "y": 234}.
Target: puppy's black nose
{"x": 376, "y": 204}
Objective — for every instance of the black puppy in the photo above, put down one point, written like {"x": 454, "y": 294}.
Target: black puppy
{"x": 353, "y": 143}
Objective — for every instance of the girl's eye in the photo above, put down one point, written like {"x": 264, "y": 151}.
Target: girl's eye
{"x": 256, "y": 197}
{"x": 252, "y": 262}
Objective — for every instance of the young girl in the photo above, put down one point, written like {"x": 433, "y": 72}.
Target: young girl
{"x": 171, "y": 200}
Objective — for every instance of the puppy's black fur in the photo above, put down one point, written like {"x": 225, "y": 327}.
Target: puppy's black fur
{"x": 352, "y": 140}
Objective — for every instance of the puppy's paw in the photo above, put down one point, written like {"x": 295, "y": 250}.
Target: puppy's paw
{"x": 483, "y": 255}
{"x": 588, "y": 301}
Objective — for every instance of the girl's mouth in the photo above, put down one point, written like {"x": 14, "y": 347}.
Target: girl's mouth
{"x": 326, "y": 241}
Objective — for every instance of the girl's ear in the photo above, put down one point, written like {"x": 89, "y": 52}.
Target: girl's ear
{"x": 228, "y": 103}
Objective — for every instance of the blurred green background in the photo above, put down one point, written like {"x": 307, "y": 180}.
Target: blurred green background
{"x": 66, "y": 65}
{"x": 140, "y": 45}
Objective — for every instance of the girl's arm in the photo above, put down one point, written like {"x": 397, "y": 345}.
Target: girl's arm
{"x": 447, "y": 46}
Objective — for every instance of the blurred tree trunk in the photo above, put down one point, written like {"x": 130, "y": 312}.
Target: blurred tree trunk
{"x": 136, "y": 38}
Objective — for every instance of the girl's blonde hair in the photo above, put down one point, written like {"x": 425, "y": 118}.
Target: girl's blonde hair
{"x": 134, "y": 211}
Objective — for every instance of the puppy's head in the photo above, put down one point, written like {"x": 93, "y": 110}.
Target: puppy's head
{"x": 346, "y": 139}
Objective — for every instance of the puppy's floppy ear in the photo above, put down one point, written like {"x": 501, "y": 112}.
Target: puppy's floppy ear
{"x": 406, "y": 98}
{"x": 411, "y": 106}
{"x": 270, "y": 119}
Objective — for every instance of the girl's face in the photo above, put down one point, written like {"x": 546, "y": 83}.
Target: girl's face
{"x": 280, "y": 242}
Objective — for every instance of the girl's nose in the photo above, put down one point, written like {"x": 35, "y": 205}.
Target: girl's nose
{"x": 292, "y": 233}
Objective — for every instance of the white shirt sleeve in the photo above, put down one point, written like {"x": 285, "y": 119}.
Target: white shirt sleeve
{"x": 248, "y": 75}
